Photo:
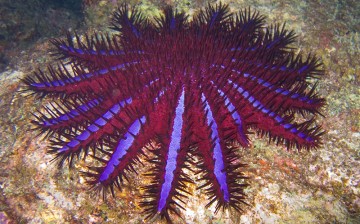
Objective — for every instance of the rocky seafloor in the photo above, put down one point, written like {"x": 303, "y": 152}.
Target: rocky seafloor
{"x": 320, "y": 186}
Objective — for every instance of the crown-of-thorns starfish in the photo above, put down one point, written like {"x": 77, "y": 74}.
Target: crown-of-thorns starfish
{"x": 186, "y": 91}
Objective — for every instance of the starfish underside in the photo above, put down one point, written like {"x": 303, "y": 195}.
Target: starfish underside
{"x": 183, "y": 91}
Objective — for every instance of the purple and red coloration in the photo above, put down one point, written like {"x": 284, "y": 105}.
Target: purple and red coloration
{"x": 182, "y": 90}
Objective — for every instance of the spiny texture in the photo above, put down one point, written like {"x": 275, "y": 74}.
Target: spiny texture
{"x": 179, "y": 93}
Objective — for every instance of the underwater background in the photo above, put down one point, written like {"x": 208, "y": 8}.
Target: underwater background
{"x": 320, "y": 186}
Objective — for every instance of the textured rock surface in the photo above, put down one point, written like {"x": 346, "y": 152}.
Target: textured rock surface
{"x": 285, "y": 187}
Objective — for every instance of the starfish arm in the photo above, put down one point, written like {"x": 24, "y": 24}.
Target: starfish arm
{"x": 126, "y": 151}
{"x": 116, "y": 119}
{"x": 125, "y": 154}
{"x": 263, "y": 81}
{"x": 281, "y": 127}
{"x": 168, "y": 178}
{"x": 213, "y": 19}
{"x": 98, "y": 51}
{"x": 288, "y": 71}
{"x": 296, "y": 98}
{"x": 217, "y": 162}
{"x": 171, "y": 21}
{"x": 70, "y": 113}
{"x": 60, "y": 81}
{"x": 130, "y": 23}
{"x": 276, "y": 40}
{"x": 246, "y": 26}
